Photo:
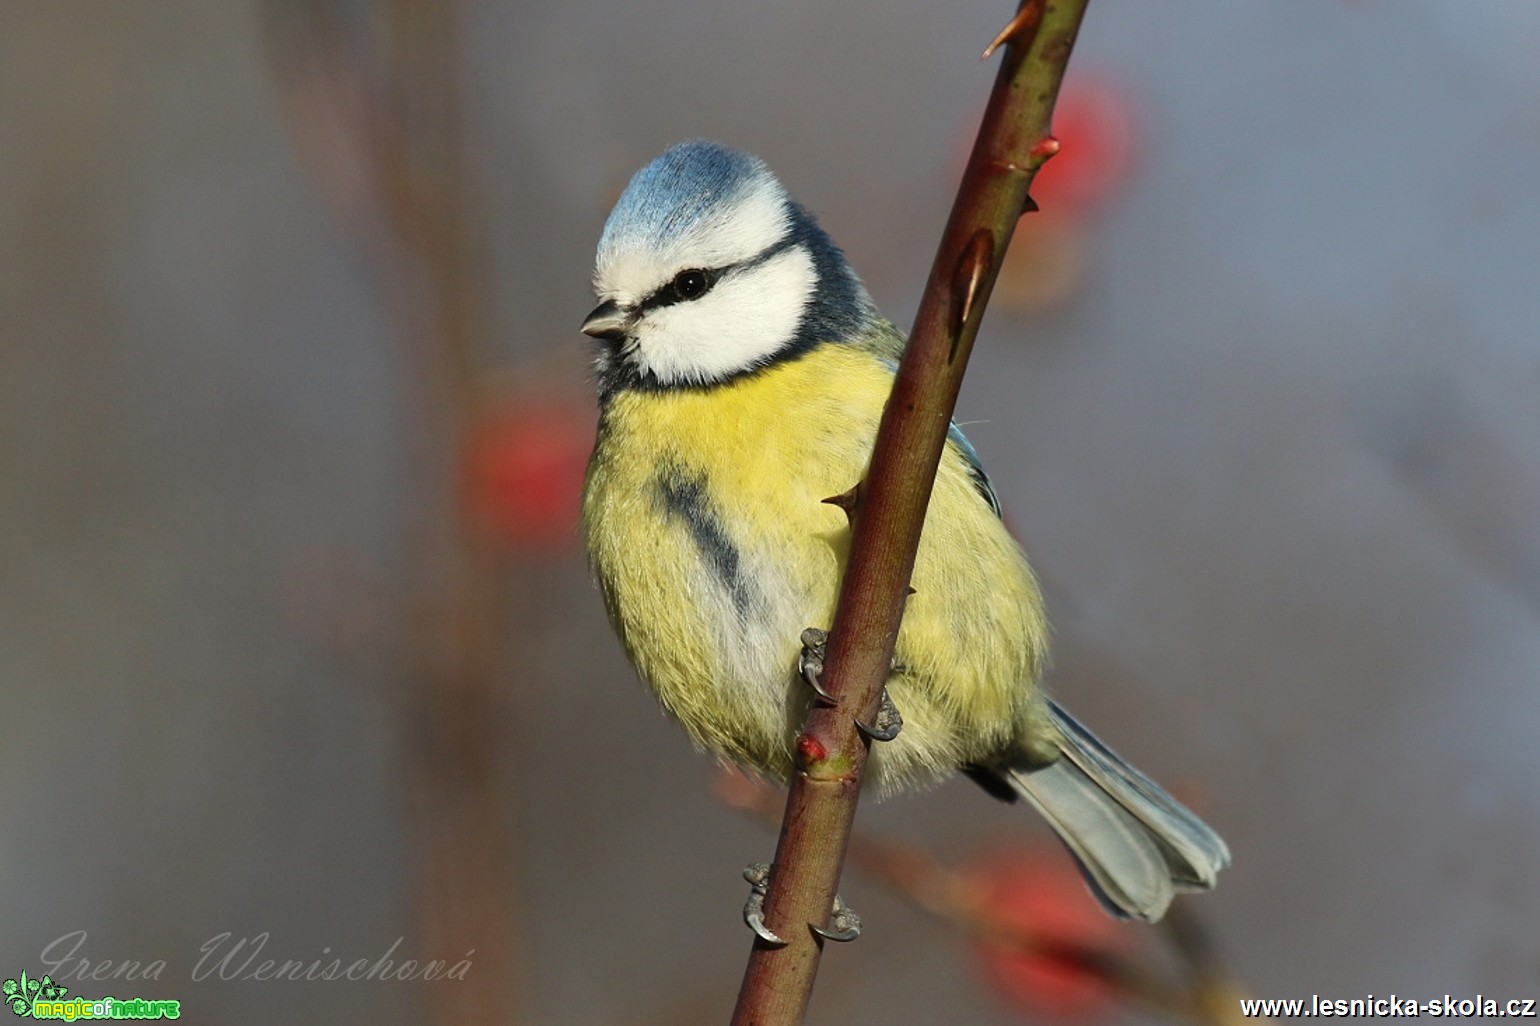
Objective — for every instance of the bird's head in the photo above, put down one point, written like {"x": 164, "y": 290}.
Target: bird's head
{"x": 707, "y": 270}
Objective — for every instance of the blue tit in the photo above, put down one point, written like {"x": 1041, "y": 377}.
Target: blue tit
{"x": 742, "y": 370}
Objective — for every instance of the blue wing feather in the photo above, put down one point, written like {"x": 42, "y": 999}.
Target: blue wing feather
{"x": 975, "y": 467}
{"x": 887, "y": 342}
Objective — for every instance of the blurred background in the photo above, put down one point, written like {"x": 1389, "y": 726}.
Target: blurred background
{"x": 297, "y": 644}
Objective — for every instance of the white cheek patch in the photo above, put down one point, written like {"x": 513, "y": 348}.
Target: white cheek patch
{"x": 728, "y": 234}
{"x": 733, "y": 232}
{"x": 743, "y": 321}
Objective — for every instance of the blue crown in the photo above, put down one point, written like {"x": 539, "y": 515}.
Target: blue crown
{"x": 674, "y": 192}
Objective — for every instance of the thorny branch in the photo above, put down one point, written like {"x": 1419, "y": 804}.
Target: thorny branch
{"x": 1208, "y": 996}
{"x": 889, "y": 509}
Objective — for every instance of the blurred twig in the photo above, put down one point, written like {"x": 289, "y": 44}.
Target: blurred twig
{"x": 1209, "y": 997}
{"x": 888, "y": 508}
{"x": 371, "y": 102}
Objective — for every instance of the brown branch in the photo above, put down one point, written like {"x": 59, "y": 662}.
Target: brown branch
{"x": 1012, "y": 144}
{"x": 1209, "y": 996}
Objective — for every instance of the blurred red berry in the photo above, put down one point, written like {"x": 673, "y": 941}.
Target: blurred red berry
{"x": 1093, "y": 136}
{"x": 1038, "y": 894}
{"x": 1095, "y": 132}
{"x": 523, "y": 470}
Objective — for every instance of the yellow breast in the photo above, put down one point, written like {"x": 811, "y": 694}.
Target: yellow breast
{"x": 705, "y": 523}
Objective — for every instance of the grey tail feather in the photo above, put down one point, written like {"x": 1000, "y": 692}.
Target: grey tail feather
{"x": 1136, "y": 845}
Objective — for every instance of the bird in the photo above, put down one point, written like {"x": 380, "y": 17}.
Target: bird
{"x": 742, "y": 368}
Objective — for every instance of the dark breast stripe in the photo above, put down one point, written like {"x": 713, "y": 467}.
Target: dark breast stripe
{"x": 684, "y": 497}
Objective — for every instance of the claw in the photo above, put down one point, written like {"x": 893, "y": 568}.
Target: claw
{"x": 888, "y": 724}
{"x": 810, "y": 662}
{"x": 758, "y": 876}
{"x": 844, "y": 924}
{"x": 810, "y": 666}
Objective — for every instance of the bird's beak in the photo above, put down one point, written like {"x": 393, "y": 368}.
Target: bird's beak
{"x": 608, "y": 321}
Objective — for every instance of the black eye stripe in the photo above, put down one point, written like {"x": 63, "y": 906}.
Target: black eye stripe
{"x": 669, "y": 293}
{"x": 691, "y": 283}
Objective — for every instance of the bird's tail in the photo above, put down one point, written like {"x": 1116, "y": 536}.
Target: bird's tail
{"x": 1136, "y": 845}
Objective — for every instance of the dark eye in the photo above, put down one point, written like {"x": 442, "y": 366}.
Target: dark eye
{"x": 691, "y": 284}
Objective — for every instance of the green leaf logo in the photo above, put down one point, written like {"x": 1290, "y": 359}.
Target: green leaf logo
{"x": 22, "y": 994}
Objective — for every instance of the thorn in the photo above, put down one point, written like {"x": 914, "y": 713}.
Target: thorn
{"x": 1029, "y": 206}
{"x": 847, "y": 500}
{"x": 968, "y": 280}
{"x": 1021, "y": 29}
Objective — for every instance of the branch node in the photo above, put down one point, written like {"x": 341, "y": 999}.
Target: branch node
{"x": 1046, "y": 147}
{"x": 811, "y": 750}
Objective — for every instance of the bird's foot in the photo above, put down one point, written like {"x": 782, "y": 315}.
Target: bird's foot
{"x": 810, "y": 665}
{"x": 844, "y": 923}
{"x": 758, "y": 876}
{"x": 888, "y": 722}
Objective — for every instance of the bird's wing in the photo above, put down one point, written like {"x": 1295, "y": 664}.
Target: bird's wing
{"x": 975, "y": 467}
{"x": 887, "y": 342}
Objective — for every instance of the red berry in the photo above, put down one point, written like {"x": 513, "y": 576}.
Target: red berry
{"x": 1038, "y": 895}
{"x": 523, "y": 470}
{"x": 1092, "y": 124}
